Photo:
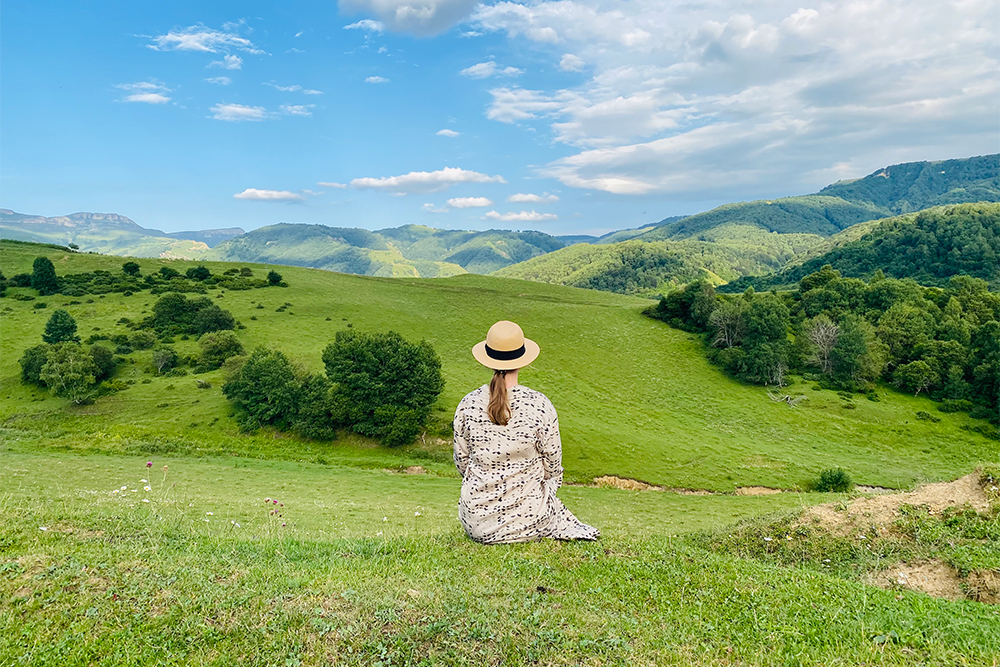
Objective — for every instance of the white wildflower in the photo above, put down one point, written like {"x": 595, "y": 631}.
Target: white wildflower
{"x": 767, "y": 539}
{"x": 43, "y": 528}
{"x": 209, "y": 513}
{"x": 147, "y": 488}
{"x": 144, "y": 481}
{"x": 862, "y": 537}
{"x": 416, "y": 514}
{"x": 124, "y": 487}
{"x": 145, "y": 500}
{"x": 384, "y": 519}
{"x": 378, "y": 533}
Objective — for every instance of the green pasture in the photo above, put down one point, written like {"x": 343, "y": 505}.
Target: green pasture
{"x": 636, "y": 398}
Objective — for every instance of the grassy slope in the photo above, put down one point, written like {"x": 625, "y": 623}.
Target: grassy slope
{"x": 636, "y": 398}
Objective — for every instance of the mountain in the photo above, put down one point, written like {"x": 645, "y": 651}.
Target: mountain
{"x": 109, "y": 234}
{"x": 930, "y": 246}
{"x": 410, "y": 250}
{"x": 893, "y": 190}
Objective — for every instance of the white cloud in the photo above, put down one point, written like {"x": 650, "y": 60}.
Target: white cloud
{"x": 571, "y": 63}
{"x": 417, "y": 17}
{"x": 239, "y": 112}
{"x": 532, "y": 199}
{"x": 367, "y": 25}
{"x": 431, "y": 208}
{"x": 521, "y": 216}
{"x": 227, "y": 62}
{"x": 488, "y": 69}
{"x": 469, "y": 202}
{"x": 200, "y": 38}
{"x": 447, "y": 133}
{"x": 254, "y": 194}
{"x": 219, "y": 80}
{"x": 297, "y": 109}
{"x": 284, "y": 89}
{"x": 376, "y": 79}
{"x": 331, "y": 184}
{"x": 310, "y": 91}
{"x": 145, "y": 92}
{"x": 424, "y": 181}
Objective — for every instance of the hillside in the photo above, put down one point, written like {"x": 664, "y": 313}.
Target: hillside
{"x": 930, "y": 247}
{"x": 896, "y": 189}
{"x": 636, "y": 398}
{"x": 411, "y": 250}
{"x": 651, "y": 267}
{"x": 110, "y": 234}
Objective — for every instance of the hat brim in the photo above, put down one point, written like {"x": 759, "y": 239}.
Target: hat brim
{"x": 531, "y": 351}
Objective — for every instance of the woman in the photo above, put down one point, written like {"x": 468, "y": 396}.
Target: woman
{"x": 508, "y": 452}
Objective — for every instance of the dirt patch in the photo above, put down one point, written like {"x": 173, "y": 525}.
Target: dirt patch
{"x": 933, "y": 577}
{"x": 610, "y": 481}
{"x": 984, "y": 586}
{"x": 756, "y": 491}
{"x": 415, "y": 470}
{"x": 883, "y": 510}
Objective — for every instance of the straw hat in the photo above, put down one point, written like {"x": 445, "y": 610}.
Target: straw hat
{"x": 505, "y": 348}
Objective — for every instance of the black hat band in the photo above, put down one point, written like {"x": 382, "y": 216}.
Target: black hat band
{"x": 500, "y": 355}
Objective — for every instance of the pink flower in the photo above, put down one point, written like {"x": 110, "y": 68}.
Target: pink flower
{"x": 149, "y": 464}
{"x": 275, "y": 502}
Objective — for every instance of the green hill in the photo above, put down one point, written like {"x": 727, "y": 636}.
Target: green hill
{"x": 636, "y": 398}
{"x": 930, "y": 247}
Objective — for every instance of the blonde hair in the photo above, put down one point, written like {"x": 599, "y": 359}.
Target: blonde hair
{"x": 499, "y": 407}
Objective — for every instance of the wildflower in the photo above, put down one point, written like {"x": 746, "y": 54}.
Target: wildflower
{"x": 275, "y": 502}
{"x": 149, "y": 464}
{"x": 124, "y": 487}
{"x": 145, "y": 481}
{"x": 209, "y": 513}
{"x": 145, "y": 500}
{"x": 416, "y": 514}
{"x": 205, "y": 520}
{"x": 379, "y": 532}
{"x": 993, "y": 488}
{"x": 767, "y": 539}
{"x": 134, "y": 490}
{"x": 237, "y": 525}
{"x": 115, "y": 492}
{"x": 281, "y": 504}
{"x": 147, "y": 488}
{"x": 282, "y": 525}
{"x": 826, "y": 560}
{"x": 267, "y": 500}
{"x": 43, "y": 528}
{"x": 165, "y": 469}
{"x": 862, "y": 537}
{"x": 384, "y": 519}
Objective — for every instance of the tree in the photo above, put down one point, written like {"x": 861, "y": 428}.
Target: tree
{"x": 168, "y": 272}
{"x": 218, "y": 346}
{"x": 104, "y": 362}
{"x": 822, "y": 332}
{"x": 767, "y": 321}
{"x": 314, "y": 417}
{"x": 859, "y": 356}
{"x": 729, "y": 322}
{"x": 130, "y": 268}
{"x": 273, "y": 277}
{"x": 43, "y": 276}
{"x": 32, "y": 361}
{"x": 384, "y": 385}
{"x": 60, "y": 328}
{"x": 198, "y": 273}
{"x": 264, "y": 391}
{"x": 70, "y": 373}
{"x": 213, "y": 318}
{"x": 164, "y": 358}
{"x": 915, "y": 376}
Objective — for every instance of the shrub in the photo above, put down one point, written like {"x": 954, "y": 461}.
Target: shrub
{"x": 218, "y": 346}
{"x": 246, "y": 271}
{"x": 213, "y": 318}
{"x": 32, "y": 361}
{"x": 104, "y": 361}
{"x": 927, "y": 417}
{"x": 40, "y": 305}
{"x": 835, "y": 480}
{"x": 385, "y": 385}
{"x": 264, "y": 391}
{"x": 130, "y": 268}
{"x": 164, "y": 359}
{"x": 60, "y": 328}
{"x": 273, "y": 277}
{"x": 199, "y": 273}
{"x": 142, "y": 340}
{"x": 20, "y": 280}
{"x": 69, "y": 372}
{"x": 314, "y": 417}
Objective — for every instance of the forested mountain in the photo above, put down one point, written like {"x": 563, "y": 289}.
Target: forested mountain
{"x": 929, "y": 246}
{"x": 411, "y": 250}
{"x": 109, "y": 234}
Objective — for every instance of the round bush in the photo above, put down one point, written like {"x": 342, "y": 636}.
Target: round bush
{"x": 834, "y": 480}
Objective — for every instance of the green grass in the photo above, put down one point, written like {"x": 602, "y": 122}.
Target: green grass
{"x": 636, "y": 398}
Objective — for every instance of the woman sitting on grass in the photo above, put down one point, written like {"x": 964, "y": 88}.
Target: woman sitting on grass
{"x": 508, "y": 451}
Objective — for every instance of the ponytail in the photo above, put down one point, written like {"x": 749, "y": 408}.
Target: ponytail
{"x": 499, "y": 407}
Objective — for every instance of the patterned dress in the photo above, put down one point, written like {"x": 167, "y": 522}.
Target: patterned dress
{"x": 510, "y": 474}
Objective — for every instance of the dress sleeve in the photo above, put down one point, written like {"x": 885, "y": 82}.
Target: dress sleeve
{"x": 550, "y": 447}
{"x": 461, "y": 452}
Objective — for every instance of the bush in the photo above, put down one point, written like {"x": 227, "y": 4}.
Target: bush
{"x": 264, "y": 391}
{"x": 835, "y": 480}
{"x": 213, "y": 318}
{"x": 164, "y": 359}
{"x": 169, "y": 273}
{"x": 385, "y": 385}
{"x": 60, "y": 328}
{"x": 32, "y": 361}
{"x": 104, "y": 361}
{"x": 69, "y": 372}
{"x": 142, "y": 340}
{"x": 273, "y": 278}
{"x": 130, "y": 268}
{"x": 199, "y": 273}
{"x": 20, "y": 280}
{"x": 218, "y": 346}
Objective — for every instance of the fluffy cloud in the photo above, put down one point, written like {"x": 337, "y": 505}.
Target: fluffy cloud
{"x": 424, "y": 181}
{"x": 254, "y": 194}
{"x": 145, "y": 92}
{"x": 416, "y": 17}
{"x": 722, "y": 99}
{"x": 431, "y": 208}
{"x": 367, "y": 25}
{"x": 521, "y": 216}
{"x": 228, "y": 62}
{"x": 330, "y": 184}
{"x": 297, "y": 109}
{"x": 220, "y": 80}
{"x": 239, "y": 112}
{"x": 200, "y": 38}
{"x": 488, "y": 69}
{"x": 447, "y": 133}
{"x": 469, "y": 202}
{"x": 532, "y": 199}
{"x": 376, "y": 79}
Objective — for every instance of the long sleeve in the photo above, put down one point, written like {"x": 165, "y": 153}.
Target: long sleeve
{"x": 550, "y": 447}
{"x": 461, "y": 453}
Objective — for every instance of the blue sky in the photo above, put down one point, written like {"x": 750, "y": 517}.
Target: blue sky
{"x": 568, "y": 116}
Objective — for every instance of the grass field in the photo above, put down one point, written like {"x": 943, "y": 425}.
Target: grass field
{"x": 636, "y": 398}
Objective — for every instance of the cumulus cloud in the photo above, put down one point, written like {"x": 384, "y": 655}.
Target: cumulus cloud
{"x": 253, "y": 194}
{"x": 424, "y": 181}
{"x": 227, "y": 62}
{"x": 201, "y": 38}
{"x": 431, "y": 208}
{"x": 521, "y": 216}
{"x": 532, "y": 199}
{"x": 376, "y": 79}
{"x": 331, "y": 184}
{"x": 469, "y": 202}
{"x": 416, "y": 17}
{"x": 219, "y": 80}
{"x": 724, "y": 100}
{"x": 490, "y": 68}
{"x": 447, "y": 133}
{"x": 297, "y": 109}
{"x": 367, "y": 25}
{"x": 145, "y": 92}
{"x": 239, "y": 112}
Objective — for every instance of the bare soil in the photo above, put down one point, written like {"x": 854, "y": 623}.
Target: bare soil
{"x": 756, "y": 491}
{"x": 933, "y": 577}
